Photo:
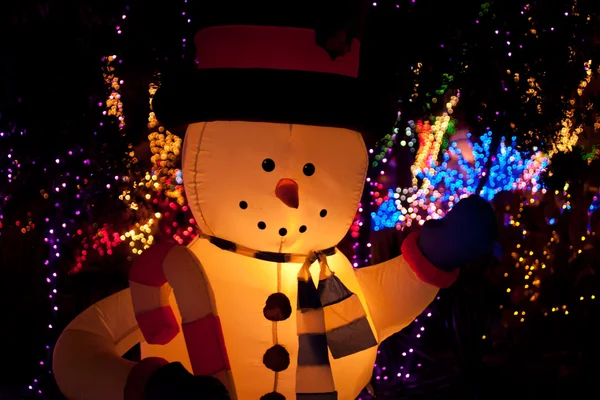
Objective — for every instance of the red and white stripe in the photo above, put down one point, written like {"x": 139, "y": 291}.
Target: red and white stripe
{"x": 150, "y": 293}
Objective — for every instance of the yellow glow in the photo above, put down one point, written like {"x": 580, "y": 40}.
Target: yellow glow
{"x": 568, "y": 135}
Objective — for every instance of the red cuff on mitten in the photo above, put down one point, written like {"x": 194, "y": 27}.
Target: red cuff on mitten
{"x": 140, "y": 375}
{"x": 424, "y": 269}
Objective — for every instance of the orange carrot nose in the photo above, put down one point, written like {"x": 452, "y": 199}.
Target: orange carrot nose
{"x": 287, "y": 191}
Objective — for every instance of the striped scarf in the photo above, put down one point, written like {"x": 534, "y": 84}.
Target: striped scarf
{"x": 329, "y": 318}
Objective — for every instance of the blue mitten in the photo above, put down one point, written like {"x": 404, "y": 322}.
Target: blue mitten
{"x": 466, "y": 234}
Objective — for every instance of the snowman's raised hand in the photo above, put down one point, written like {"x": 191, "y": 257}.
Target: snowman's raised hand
{"x": 398, "y": 290}
{"x": 466, "y": 234}
{"x": 174, "y": 382}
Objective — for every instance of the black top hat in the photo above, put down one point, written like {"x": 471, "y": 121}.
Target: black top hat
{"x": 275, "y": 61}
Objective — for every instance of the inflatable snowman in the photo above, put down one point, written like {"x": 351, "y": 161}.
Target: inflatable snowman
{"x": 262, "y": 305}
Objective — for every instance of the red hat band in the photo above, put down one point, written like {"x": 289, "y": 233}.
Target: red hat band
{"x": 270, "y": 47}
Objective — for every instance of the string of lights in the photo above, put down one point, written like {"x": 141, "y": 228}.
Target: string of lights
{"x": 457, "y": 177}
{"x": 11, "y": 171}
{"x": 70, "y": 194}
{"x": 533, "y": 264}
{"x": 568, "y": 135}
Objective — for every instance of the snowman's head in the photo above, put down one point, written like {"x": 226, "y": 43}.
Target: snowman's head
{"x": 273, "y": 186}
{"x": 274, "y": 157}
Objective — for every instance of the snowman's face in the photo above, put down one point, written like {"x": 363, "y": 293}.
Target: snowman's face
{"x": 274, "y": 187}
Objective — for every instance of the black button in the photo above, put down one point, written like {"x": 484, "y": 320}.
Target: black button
{"x": 278, "y": 307}
{"x": 277, "y": 358}
{"x": 273, "y": 396}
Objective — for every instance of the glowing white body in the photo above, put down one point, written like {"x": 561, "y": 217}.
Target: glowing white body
{"x": 241, "y": 285}
{"x": 221, "y": 169}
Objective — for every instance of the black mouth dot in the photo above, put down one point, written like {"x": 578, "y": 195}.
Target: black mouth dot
{"x": 302, "y": 229}
{"x": 243, "y": 205}
{"x": 262, "y": 225}
{"x": 282, "y": 232}
{"x": 323, "y": 213}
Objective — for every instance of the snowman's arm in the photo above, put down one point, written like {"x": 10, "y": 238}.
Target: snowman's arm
{"x": 87, "y": 362}
{"x": 400, "y": 289}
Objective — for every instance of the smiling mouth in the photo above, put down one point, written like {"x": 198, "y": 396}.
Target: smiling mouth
{"x": 282, "y": 231}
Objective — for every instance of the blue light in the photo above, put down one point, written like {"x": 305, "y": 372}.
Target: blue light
{"x": 387, "y": 215}
{"x": 455, "y": 177}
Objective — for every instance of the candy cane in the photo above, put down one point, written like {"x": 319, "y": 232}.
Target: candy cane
{"x": 171, "y": 267}
{"x": 150, "y": 293}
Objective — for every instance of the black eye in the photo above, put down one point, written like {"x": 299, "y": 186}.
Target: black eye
{"x": 308, "y": 169}
{"x": 268, "y": 165}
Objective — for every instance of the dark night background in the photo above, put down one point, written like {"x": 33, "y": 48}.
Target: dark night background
{"x": 52, "y": 82}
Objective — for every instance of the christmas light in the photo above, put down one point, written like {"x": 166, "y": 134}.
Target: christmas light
{"x": 60, "y": 228}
